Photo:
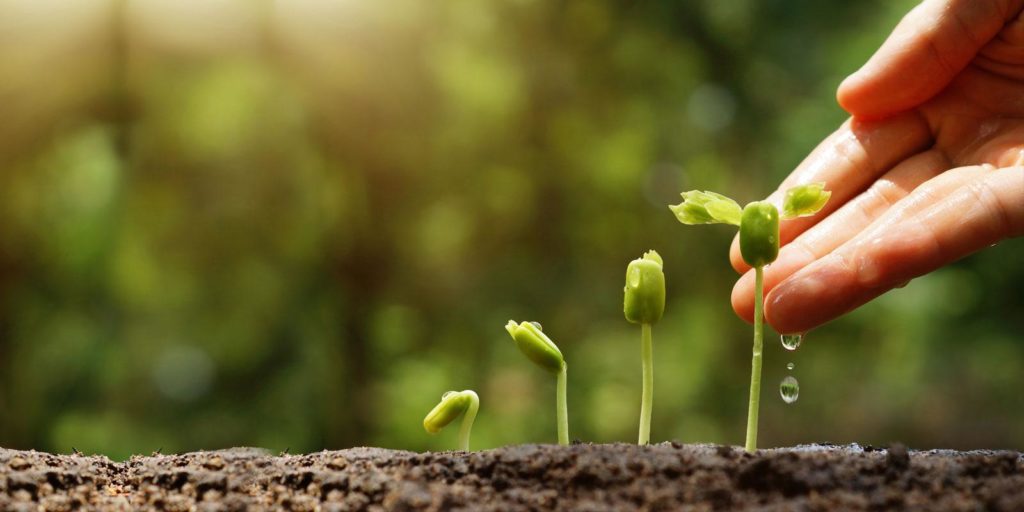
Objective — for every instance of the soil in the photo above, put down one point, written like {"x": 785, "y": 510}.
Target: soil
{"x": 612, "y": 477}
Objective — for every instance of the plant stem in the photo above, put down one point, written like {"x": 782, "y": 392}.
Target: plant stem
{"x": 755, "y": 362}
{"x": 563, "y": 408}
{"x": 647, "y": 398}
{"x": 467, "y": 420}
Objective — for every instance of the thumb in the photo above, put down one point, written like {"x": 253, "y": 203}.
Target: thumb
{"x": 976, "y": 215}
{"x": 928, "y": 48}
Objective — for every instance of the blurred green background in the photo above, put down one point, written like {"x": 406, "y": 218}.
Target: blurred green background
{"x": 296, "y": 224}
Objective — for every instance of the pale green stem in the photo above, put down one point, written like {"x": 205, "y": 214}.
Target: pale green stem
{"x": 563, "y": 408}
{"x": 755, "y": 362}
{"x": 467, "y": 420}
{"x": 647, "y": 398}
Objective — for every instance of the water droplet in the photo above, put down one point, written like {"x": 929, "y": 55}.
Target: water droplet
{"x": 791, "y": 341}
{"x": 447, "y": 394}
{"x": 633, "y": 279}
{"x": 790, "y": 366}
{"x": 538, "y": 326}
{"x": 789, "y": 388}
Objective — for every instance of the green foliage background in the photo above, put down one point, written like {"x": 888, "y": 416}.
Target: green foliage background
{"x": 295, "y": 224}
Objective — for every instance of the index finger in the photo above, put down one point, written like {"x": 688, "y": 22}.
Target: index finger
{"x": 974, "y": 216}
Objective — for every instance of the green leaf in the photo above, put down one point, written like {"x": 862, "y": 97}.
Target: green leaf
{"x": 804, "y": 200}
{"x": 707, "y": 208}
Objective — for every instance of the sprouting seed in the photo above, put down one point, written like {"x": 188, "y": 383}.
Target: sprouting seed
{"x": 537, "y": 347}
{"x": 453, "y": 404}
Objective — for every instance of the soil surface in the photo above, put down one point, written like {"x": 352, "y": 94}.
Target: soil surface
{"x": 615, "y": 477}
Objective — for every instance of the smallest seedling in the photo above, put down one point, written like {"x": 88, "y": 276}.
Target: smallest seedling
{"x": 454, "y": 403}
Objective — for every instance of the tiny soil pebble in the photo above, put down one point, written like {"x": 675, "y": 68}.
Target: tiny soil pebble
{"x": 612, "y": 477}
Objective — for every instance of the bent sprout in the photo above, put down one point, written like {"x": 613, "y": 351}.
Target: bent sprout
{"x": 644, "y": 304}
{"x": 454, "y": 403}
{"x": 537, "y": 347}
{"x": 758, "y": 224}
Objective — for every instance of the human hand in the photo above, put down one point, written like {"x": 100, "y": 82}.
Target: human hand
{"x": 929, "y": 169}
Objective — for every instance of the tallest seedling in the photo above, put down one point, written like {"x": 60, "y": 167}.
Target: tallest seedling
{"x": 759, "y": 245}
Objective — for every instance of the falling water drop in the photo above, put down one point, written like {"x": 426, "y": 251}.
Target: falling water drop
{"x": 789, "y": 388}
{"x": 538, "y": 326}
{"x": 790, "y": 366}
{"x": 791, "y": 341}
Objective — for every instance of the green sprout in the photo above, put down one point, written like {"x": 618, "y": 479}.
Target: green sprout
{"x": 537, "y": 347}
{"x": 644, "y": 304}
{"x": 452, "y": 404}
{"x": 758, "y": 224}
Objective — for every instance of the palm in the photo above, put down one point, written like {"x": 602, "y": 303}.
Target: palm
{"x": 979, "y": 117}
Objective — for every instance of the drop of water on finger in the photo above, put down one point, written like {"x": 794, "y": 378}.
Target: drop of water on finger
{"x": 789, "y": 389}
{"x": 791, "y": 342}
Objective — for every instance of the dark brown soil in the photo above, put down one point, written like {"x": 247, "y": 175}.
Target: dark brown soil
{"x": 617, "y": 477}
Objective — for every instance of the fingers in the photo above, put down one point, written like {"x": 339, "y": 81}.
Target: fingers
{"x": 847, "y": 161}
{"x": 846, "y": 223}
{"x": 928, "y": 48}
{"x": 978, "y": 213}
{"x": 1004, "y": 55}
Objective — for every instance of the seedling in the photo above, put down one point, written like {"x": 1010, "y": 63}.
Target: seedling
{"x": 644, "y": 304}
{"x": 454, "y": 403}
{"x": 758, "y": 224}
{"x": 537, "y": 347}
